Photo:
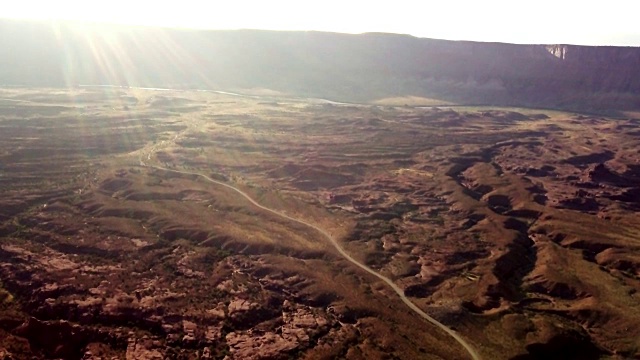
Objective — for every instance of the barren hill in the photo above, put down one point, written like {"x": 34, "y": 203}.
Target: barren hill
{"x": 363, "y": 67}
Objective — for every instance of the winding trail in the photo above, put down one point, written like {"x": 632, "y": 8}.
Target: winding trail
{"x": 470, "y": 350}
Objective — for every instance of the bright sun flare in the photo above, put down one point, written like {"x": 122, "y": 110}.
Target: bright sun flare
{"x": 543, "y": 21}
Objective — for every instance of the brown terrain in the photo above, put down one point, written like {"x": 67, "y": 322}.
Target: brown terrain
{"x": 516, "y": 228}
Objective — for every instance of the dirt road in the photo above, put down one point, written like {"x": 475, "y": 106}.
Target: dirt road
{"x": 470, "y": 350}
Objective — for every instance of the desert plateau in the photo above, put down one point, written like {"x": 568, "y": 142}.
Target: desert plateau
{"x": 248, "y": 194}
{"x": 516, "y": 228}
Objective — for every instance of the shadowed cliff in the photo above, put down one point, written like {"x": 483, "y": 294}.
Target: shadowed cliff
{"x": 336, "y": 66}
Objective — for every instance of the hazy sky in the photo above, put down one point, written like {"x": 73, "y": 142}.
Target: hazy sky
{"x": 611, "y": 22}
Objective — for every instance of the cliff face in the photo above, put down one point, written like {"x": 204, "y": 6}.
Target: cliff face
{"x": 337, "y": 66}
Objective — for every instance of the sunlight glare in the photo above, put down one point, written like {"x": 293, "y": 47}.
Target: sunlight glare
{"x": 543, "y": 21}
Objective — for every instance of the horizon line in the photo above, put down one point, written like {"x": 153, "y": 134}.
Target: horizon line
{"x": 206, "y": 28}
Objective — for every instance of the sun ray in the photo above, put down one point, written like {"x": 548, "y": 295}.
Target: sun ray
{"x": 590, "y": 24}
